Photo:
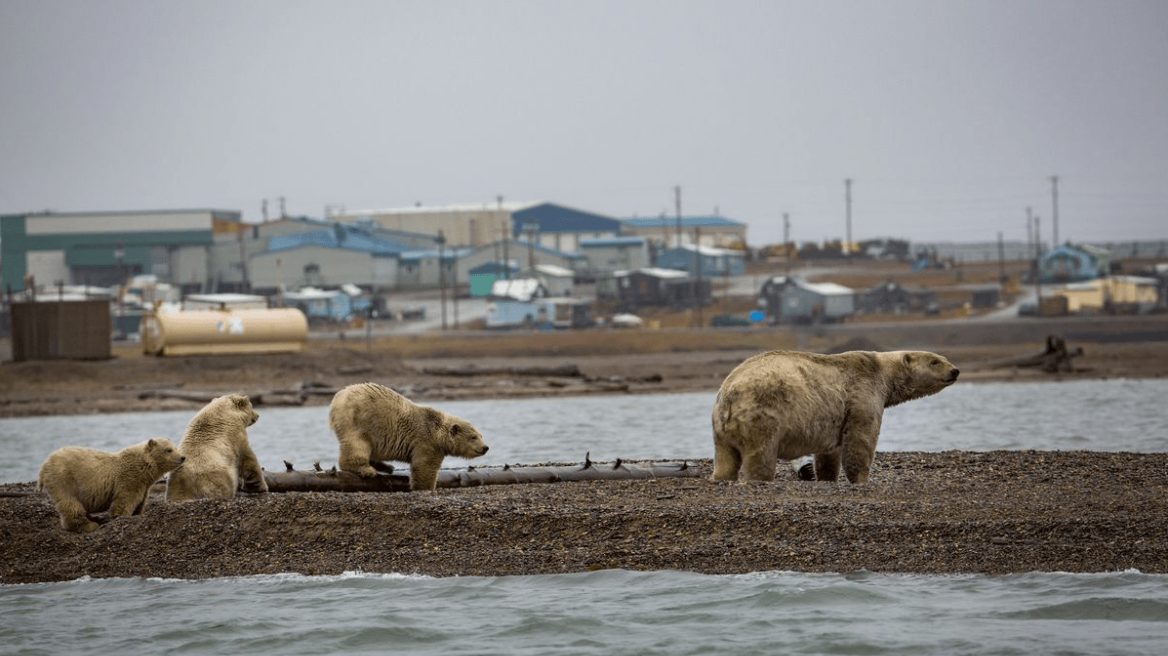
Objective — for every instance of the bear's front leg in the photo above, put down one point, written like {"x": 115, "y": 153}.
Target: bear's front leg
{"x": 251, "y": 474}
{"x": 424, "y": 468}
{"x": 125, "y": 505}
{"x": 860, "y": 447}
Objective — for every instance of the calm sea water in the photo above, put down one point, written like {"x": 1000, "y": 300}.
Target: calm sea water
{"x": 608, "y": 612}
{"x": 617, "y": 612}
{"x": 1119, "y": 415}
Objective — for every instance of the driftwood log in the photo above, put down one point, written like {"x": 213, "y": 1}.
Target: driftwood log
{"x": 269, "y": 397}
{"x": 561, "y": 371}
{"x": 342, "y": 481}
{"x": 1052, "y": 359}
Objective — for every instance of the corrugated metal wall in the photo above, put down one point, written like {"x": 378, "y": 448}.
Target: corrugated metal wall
{"x": 73, "y": 330}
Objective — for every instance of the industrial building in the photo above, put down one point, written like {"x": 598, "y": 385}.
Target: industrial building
{"x": 546, "y": 224}
{"x": 106, "y": 248}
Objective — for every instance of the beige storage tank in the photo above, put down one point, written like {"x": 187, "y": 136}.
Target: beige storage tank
{"x": 214, "y": 332}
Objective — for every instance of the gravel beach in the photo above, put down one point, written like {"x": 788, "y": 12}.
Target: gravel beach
{"x": 939, "y": 513}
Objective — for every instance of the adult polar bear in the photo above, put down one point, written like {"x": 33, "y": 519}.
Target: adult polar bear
{"x": 787, "y": 404}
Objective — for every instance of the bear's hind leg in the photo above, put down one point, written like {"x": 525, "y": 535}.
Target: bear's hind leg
{"x": 827, "y": 466}
{"x": 759, "y": 464}
{"x": 381, "y": 466}
{"x": 727, "y": 461}
{"x": 73, "y": 516}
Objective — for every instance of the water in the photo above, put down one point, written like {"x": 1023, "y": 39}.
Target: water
{"x": 607, "y": 612}
{"x": 617, "y": 612}
{"x": 1120, "y": 415}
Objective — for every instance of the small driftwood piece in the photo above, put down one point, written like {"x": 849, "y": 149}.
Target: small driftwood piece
{"x": 343, "y": 481}
{"x": 1052, "y": 359}
{"x": 562, "y": 371}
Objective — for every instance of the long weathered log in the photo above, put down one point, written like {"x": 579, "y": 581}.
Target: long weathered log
{"x": 563, "y": 371}
{"x": 342, "y": 481}
{"x": 1054, "y": 357}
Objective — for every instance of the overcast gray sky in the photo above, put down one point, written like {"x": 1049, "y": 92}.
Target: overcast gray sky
{"x": 949, "y": 116}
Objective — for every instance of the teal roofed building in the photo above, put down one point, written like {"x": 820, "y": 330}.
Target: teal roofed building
{"x": 107, "y": 248}
{"x": 1069, "y": 263}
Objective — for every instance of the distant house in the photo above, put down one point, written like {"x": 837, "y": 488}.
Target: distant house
{"x": 483, "y": 276}
{"x": 659, "y": 287}
{"x": 1115, "y": 294}
{"x": 517, "y": 254}
{"x": 790, "y": 300}
{"x": 713, "y": 261}
{"x": 524, "y": 303}
{"x": 321, "y": 305}
{"x": 893, "y": 297}
{"x": 1068, "y": 263}
{"x": 558, "y": 280}
{"x": 611, "y": 254}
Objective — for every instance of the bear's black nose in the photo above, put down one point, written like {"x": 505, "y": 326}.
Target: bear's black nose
{"x": 486, "y": 448}
{"x": 953, "y": 374}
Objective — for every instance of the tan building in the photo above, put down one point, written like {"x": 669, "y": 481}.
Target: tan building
{"x": 461, "y": 225}
{"x": 717, "y": 231}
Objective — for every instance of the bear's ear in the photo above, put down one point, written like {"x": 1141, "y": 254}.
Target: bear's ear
{"x": 455, "y": 429}
{"x": 908, "y": 358}
{"x": 241, "y": 401}
{"x": 151, "y": 444}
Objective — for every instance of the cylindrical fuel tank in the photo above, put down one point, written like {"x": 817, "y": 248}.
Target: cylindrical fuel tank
{"x": 210, "y": 332}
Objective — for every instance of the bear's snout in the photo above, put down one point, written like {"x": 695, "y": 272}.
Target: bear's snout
{"x": 953, "y": 374}
{"x": 484, "y": 449}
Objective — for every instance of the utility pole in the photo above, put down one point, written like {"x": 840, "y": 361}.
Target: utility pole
{"x": 1054, "y": 216}
{"x": 1029, "y": 230}
{"x": 506, "y": 240}
{"x": 698, "y": 288}
{"x": 1001, "y": 259}
{"x": 787, "y": 240}
{"x": 1037, "y": 270}
{"x": 848, "y": 200}
{"x": 677, "y": 205}
{"x": 442, "y": 274}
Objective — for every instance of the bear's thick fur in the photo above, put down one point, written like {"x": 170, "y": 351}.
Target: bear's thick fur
{"x": 787, "y": 404}
{"x": 81, "y": 480}
{"x": 219, "y": 457}
{"x": 374, "y": 423}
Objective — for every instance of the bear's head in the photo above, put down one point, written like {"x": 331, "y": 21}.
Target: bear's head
{"x": 241, "y": 404}
{"x": 464, "y": 439}
{"x": 163, "y": 454}
{"x": 919, "y": 373}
